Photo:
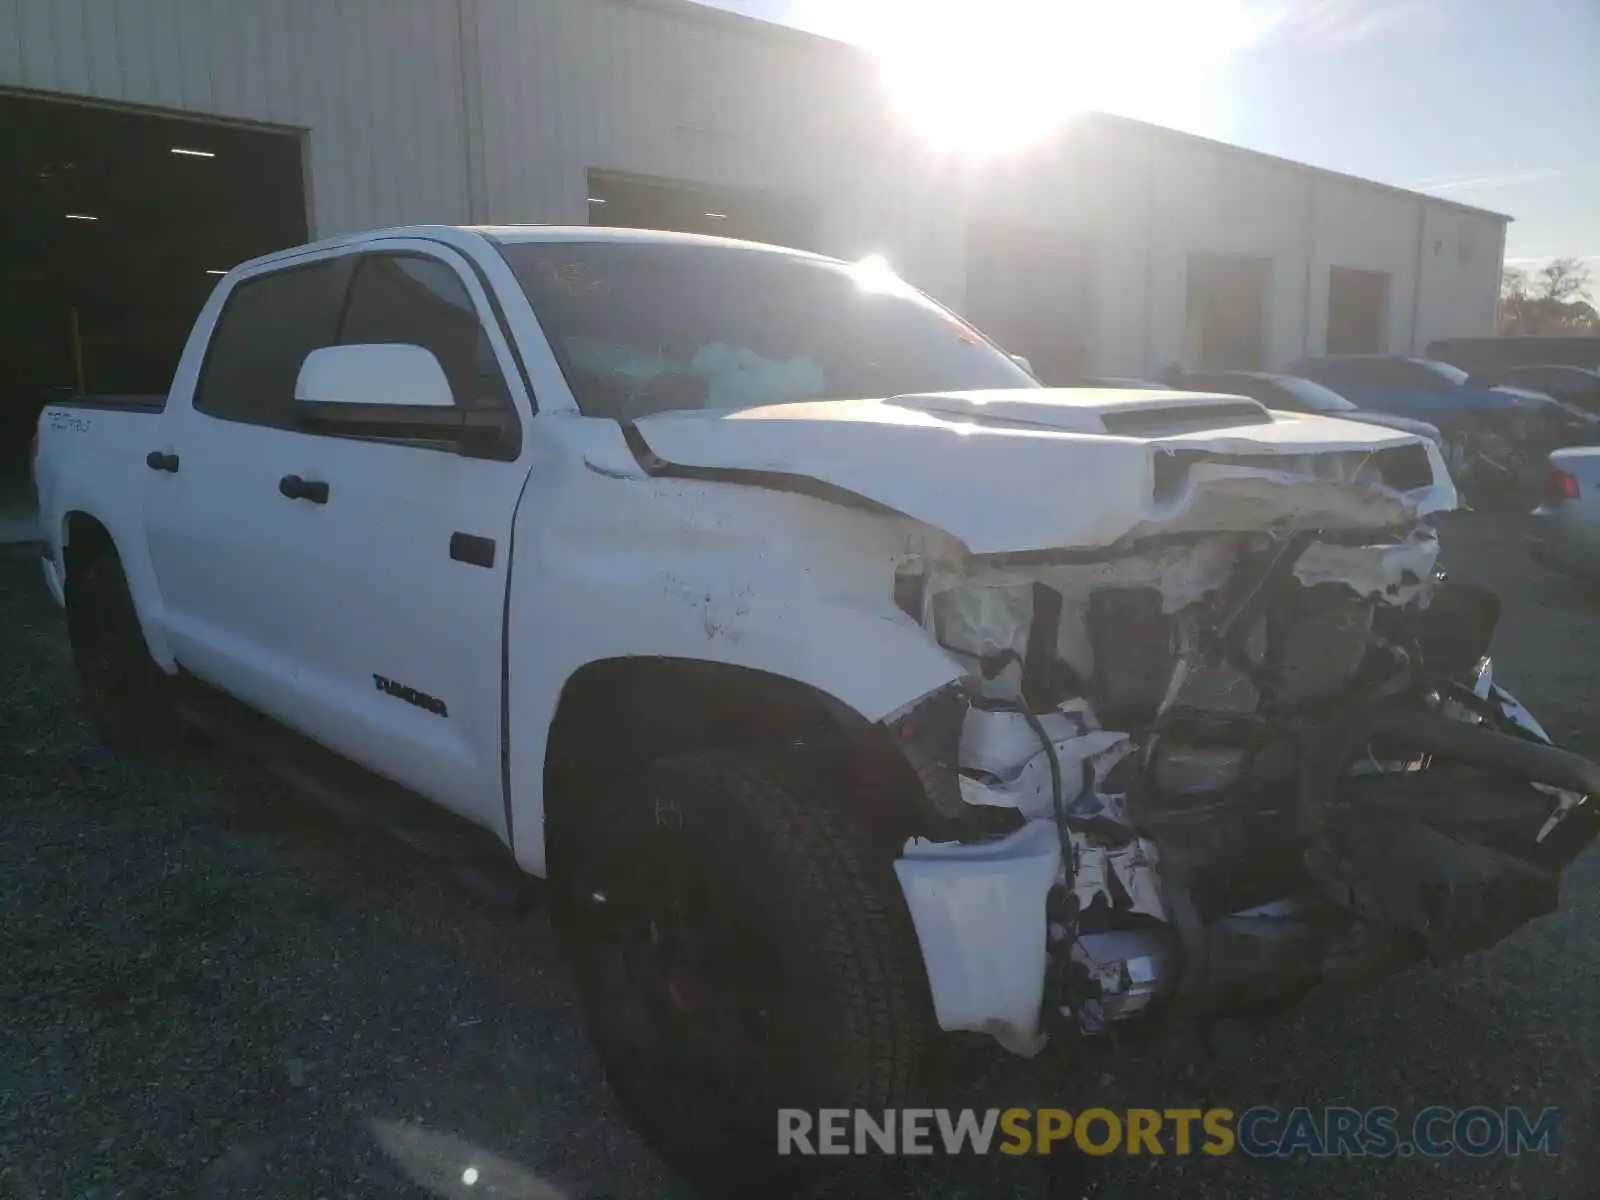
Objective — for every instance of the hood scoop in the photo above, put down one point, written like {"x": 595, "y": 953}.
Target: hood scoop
{"x": 1117, "y": 412}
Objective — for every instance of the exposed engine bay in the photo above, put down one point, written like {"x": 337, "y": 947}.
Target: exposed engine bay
{"x": 1225, "y": 771}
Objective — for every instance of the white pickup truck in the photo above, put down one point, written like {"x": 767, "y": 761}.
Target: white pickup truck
{"x": 846, "y": 683}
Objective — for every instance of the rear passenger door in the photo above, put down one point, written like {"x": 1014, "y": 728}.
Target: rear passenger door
{"x": 223, "y": 546}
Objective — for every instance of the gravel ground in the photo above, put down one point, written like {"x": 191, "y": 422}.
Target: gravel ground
{"x": 209, "y": 989}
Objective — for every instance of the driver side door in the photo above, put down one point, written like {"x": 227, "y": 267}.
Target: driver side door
{"x": 404, "y": 562}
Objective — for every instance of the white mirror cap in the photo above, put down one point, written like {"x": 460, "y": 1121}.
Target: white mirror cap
{"x": 1022, "y": 362}
{"x": 374, "y": 374}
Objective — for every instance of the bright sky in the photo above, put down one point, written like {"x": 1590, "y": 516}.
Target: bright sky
{"x": 1494, "y": 103}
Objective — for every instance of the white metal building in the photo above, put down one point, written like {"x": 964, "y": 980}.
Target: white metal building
{"x": 1117, "y": 248}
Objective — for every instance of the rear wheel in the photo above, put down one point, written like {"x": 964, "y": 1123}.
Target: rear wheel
{"x": 737, "y": 954}
{"x": 128, "y": 696}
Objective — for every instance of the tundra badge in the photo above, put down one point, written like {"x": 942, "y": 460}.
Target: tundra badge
{"x": 411, "y": 696}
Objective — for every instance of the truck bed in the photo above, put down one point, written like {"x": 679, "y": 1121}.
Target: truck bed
{"x": 115, "y": 402}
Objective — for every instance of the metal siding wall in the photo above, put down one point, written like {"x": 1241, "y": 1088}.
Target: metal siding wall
{"x": 1369, "y": 230}
{"x": 570, "y": 85}
{"x": 10, "y": 40}
{"x": 1145, "y": 199}
{"x": 1461, "y": 263}
{"x": 376, "y": 83}
{"x": 543, "y": 90}
{"x": 1208, "y": 200}
{"x": 1148, "y": 198}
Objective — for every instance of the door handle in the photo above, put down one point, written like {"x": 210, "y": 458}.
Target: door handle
{"x": 158, "y": 461}
{"x": 471, "y": 549}
{"x": 295, "y": 488}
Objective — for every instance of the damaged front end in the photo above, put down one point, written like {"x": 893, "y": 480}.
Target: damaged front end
{"x": 1226, "y": 769}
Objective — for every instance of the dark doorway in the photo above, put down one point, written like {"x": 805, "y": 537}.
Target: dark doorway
{"x": 1358, "y": 311}
{"x": 1225, "y": 312}
{"x": 1028, "y": 289}
{"x": 631, "y": 202}
{"x": 113, "y": 224}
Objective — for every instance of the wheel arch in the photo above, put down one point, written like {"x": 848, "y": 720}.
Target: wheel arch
{"x": 614, "y": 714}
{"x": 83, "y": 534}
{"x": 81, "y": 531}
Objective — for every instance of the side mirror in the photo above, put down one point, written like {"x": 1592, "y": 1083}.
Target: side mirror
{"x": 1022, "y": 361}
{"x": 381, "y": 375}
{"x": 389, "y": 391}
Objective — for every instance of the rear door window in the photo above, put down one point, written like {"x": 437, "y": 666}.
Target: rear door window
{"x": 267, "y": 327}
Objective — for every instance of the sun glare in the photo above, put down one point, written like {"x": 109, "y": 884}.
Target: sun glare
{"x": 990, "y": 77}
{"x": 874, "y": 275}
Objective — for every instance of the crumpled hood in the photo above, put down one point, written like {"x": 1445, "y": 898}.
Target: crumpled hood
{"x": 1035, "y": 470}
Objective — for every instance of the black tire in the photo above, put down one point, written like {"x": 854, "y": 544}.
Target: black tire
{"x": 737, "y": 953}
{"x": 129, "y": 698}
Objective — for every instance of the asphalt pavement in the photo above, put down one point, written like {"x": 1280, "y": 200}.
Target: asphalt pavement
{"x": 209, "y": 988}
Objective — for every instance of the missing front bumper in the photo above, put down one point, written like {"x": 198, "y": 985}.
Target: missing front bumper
{"x": 1401, "y": 867}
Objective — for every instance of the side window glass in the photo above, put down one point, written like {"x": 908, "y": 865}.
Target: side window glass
{"x": 267, "y": 327}
{"x": 420, "y": 301}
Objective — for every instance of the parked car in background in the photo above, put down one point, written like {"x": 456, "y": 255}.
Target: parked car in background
{"x": 1576, "y": 386}
{"x": 1291, "y": 393}
{"x": 1420, "y": 388}
{"x": 1564, "y": 533}
{"x": 1121, "y": 382}
{"x": 1496, "y": 436}
{"x": 1474, "y": 354}
{"x": 1553, "y": 422}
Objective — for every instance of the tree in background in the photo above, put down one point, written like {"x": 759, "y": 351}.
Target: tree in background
{"x": 1554, "y": 300}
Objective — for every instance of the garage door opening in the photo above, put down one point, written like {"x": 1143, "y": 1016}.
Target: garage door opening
{"x": 1028, "y": 289}
{"x": 632, "y": 202}
{"x": 115, "y": 226}
{"x": 1225, "y": 312}
{"x": 1358, "y": 311}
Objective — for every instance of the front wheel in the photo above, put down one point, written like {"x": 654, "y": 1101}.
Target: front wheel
{"x": 737, "y": 954}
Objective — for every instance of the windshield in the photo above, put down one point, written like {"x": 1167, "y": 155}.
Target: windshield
{"x": 1444, "y": 370}
{"x": 1313, "y": 395}
{"x": 641, "y": 328}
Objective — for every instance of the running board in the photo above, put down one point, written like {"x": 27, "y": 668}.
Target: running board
{"x": 471, "y": 857}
